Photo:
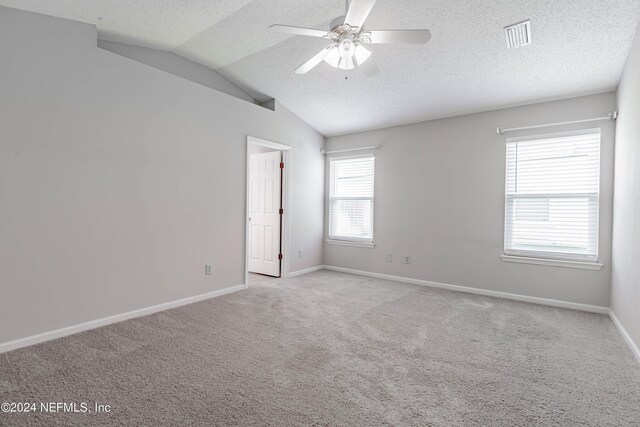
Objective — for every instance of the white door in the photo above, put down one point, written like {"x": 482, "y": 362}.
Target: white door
{"x": 264, "y": 213}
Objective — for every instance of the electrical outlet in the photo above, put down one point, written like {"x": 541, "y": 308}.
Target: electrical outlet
{"x": 407, "y": 259}
{"x": 299, "y": 253}
{"x": 388, "y": 258}
{"x": 208, "y": 269}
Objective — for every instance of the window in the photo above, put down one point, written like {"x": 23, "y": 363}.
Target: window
{"x": 552, "y": 197}
{"x": 351, "y": 198}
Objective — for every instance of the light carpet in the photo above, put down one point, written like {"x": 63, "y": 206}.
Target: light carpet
{"x": 335, "y": 349}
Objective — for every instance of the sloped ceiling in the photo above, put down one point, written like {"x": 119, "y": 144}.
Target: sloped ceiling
{"x": 579, "y": 47}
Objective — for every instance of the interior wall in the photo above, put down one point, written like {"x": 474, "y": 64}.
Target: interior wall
{"x": 119, "y": 181}
{"x": 439, "y": 198}
{"x": 178, "y": 66}
{"x": 625, "y": 281}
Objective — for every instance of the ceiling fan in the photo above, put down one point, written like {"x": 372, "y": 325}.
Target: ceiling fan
{"x": 348, "y": 37}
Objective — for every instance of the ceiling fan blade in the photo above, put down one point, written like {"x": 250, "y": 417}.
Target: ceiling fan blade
{"x": 369, "y": 68}
{"x": 298, "y": 30}
{"x": 318, "y": 58}
{"x": 358, "y": 12}
{"x": 399, "y": 36}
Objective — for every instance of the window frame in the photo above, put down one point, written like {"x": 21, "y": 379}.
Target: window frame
{"x": 561, "y": 259}
{"x": 350, "y": 240}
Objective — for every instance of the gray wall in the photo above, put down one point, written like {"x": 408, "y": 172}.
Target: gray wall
{"x": 439, "y": 198}
{"x": 118, "y": 181}
{"x": 625, "y": 283}
{"x": 178, "y": 66}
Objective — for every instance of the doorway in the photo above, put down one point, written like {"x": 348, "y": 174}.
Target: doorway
{"x": 267, "y": 209}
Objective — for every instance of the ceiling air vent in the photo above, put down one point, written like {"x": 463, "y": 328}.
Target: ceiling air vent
{"x": 518, "y": 34}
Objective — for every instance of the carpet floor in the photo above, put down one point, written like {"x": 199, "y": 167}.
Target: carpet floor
{"x": 335, "y": 349}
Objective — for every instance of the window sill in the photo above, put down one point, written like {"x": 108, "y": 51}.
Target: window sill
{"x": 350, "y": 243}
{"x": 552, "y": 262}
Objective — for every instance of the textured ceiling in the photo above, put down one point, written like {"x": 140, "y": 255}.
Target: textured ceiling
{"x": 579, "y": 47}
{"x": 159, "y": 24}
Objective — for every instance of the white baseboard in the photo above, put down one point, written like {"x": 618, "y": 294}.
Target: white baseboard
{"x": 306, "y": 271}
{"x": 74, "y": 329}
{"x": 478, "y": 291}
{"x": 632, "y": 345}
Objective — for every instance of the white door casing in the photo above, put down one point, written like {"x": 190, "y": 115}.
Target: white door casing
{"x": 264, "y": 214}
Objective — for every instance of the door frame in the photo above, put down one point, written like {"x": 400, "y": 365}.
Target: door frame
{"x": 286, "y": 204}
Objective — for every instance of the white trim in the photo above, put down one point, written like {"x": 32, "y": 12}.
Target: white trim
{"x": 347, "y": 240}
{"x": 269, "y": 144}
{"x": 478, "y": 291}
{"x": 610, "y": 116}
{"x": 351, "y": 156}
{"x": 286, "y": 194}
{"x": 306, "y": 271}
{"x": 350, "y": 243}
{"x": 632, "y": 345}
{"x": 587, "y": 260}
{"x": 554, "y": 135}
{"x": 74, "y": 329}
{"x": 348, "y": 150}
{"x": 552, "y": 262}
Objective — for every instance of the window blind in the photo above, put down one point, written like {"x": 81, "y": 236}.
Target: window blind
{"x": 351, "y": 198}
{"x": 552, "y": 197}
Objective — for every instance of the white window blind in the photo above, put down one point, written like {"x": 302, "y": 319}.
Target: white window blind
{"x": 552, "y": 197}
{"x": 351, "y": 198}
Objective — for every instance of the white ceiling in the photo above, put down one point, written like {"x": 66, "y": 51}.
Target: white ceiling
{"x": 579, "y": 47}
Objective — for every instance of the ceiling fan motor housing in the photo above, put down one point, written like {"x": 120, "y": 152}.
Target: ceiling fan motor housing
{"x": 336, "y": 24}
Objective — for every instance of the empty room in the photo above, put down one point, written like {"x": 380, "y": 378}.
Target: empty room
{"x": 320, "y": 213}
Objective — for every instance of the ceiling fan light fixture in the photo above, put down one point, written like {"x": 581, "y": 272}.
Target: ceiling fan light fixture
{"x": 346, "y": 64}
{"x": 346, "y": 48}
{"x": 365, "y": 37}
{"x": 362, "y": 54}
{"x": 333, "y": 58}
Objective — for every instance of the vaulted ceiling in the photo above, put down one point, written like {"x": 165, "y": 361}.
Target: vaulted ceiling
{"x": 579, "y": 47}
